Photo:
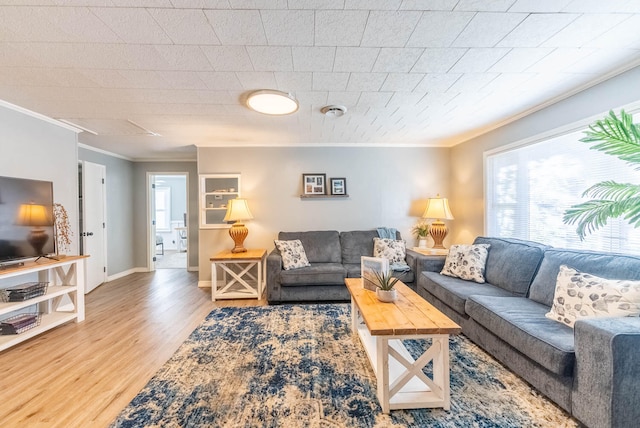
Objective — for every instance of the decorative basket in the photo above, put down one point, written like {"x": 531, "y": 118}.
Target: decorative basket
{"x": 22, "y": 292}
{"x": 20, "y": 323}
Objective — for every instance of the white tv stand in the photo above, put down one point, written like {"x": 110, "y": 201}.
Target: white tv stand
{"x": 65, "y": 277}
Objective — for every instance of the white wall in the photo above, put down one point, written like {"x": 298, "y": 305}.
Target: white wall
{"x": 467, "y": 169}
{"x": 34, "y": 148}
{"x": 387, "y": 187}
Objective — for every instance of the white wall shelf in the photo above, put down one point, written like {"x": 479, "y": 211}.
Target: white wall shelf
{"x": 216, "y": 190}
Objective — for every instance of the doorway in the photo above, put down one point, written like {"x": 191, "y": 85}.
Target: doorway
{"x": 168, "y": 225}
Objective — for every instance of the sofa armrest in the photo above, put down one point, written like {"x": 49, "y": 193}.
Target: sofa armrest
{"x": 425, "y": 262}
{"x": 274, "y": 266}
{"x": 606, "y": 391}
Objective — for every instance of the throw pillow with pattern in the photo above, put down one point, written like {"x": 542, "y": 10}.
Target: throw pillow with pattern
{"x": 581, "y": 295}
{"x": 466, "y": 262}
{"x": 390, "y": 249}
{"x": 292, "y": 253}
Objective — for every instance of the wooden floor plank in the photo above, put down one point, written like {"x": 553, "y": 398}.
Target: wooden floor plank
{"x": 81, "y": 375}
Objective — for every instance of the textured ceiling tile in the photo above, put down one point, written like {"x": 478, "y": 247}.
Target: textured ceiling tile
{"x": 536, "y": 29}
{"x": 348, "y": 99}
{"x": 185, "y": 26}
{"x": 477, "y": 60}
{"x": 439, "y": 29}
{"x": 288, "y": 27}
{"x": 220, "y": 80}
{"x": 508, "y": 82}
{"x": 428, "y": 4}
{"x": 584, "y": 29}
{"x": 254, "y": 80}
{"x": 519, "y": 59}
{"x": 258, "y": 4}
{"x": 559, "y": 59}
{"x": 359, "y": 82}
{"x": 237, "y": 27}
{"x": 437, "y": 82}
{"x": 132, "y": 25}
{"x": 472, "y": 82}
{"x": 39, "y": 30}
{"x": 183, "y": 79}
{"x": 316, "y": 4}
{"x": 355, "y": 59}
{"x": 200, "y": 4}
{"x": 313, "y": 58}
{"x": 539, "y": 6}
{"x": 375, "y": 99}
{"x": 602, "y": 61}
{"x": 128, "y": 78}
{"x": 228, "y": 58}
{"x": 339, "y": 28}
{"x": 401, "y": 82}
{"x": 487, "y": 29}
{"x": 405, "y": 99}
{"x": 127, "y": 3}
{"x": 438, "y": 60}
{"x": 79, "y": 25}
{"x": 484, "y": 5}
{"x": 19, "y": 54}
{"x": 183, "y": 57}
{"x": 318, "y": 98}
{"x": 270, "y": 58}
{"x": 294, "y": 81}
{"x": 330, "y": 81}
{"x": 397, "y": 59}
{"x": 372, "y": 4}
{"x": 597, "y": 6}
{"x": 389, "y": 29}
{"x": 626, "y": 34}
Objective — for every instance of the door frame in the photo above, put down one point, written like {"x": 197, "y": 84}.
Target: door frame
{"x": 151, "y": 239}
{"x": 81, "y": 230}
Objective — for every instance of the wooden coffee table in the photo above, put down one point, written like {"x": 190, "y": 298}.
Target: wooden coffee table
{"x": 382, "y": 326}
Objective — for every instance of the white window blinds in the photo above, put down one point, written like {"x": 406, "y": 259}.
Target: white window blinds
{"x": 529, "y": 188}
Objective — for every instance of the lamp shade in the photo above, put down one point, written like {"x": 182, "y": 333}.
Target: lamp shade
{"x": 238, "y": 210}
{"x": 34, "y": 215}
{"x": 438, "y": 208}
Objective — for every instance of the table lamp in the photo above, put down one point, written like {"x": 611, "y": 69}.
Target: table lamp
{"x": 238, "y": 211}
{"x": 37, "y": 217}
{"x": 438, "y": 210}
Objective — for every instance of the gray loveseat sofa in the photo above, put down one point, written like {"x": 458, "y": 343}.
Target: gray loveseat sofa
{"x": 592, "y": 371}
{"x": 333, "y": 256}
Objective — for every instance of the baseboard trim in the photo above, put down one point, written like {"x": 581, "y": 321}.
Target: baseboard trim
{"x": 204, "y": 284}
{"x": 126, "y": 273}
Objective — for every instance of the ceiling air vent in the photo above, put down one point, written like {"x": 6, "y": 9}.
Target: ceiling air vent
{"x": 334, "y": 110}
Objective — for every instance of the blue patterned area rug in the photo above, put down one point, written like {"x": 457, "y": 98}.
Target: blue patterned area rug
{"x": 300, "y": 366}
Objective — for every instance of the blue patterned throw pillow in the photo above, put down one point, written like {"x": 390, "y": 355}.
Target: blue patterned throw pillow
{"x": 390, "y": 249}
{"x": 292, "y": 253}
{"x": 466, "y": 262}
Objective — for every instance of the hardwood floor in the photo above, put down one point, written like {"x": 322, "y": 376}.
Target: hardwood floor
{"x": 83, "y": 375}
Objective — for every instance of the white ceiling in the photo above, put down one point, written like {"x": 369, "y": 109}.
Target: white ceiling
{"x": 410, "y": 72}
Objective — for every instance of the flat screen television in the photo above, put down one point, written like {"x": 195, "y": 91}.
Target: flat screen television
{"x": 26, "y": 219}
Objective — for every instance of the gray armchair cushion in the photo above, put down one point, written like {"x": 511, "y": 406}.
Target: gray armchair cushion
{"x": 317, "y": 273}
{"x": 512, "y": 263}
{"x": 521, "y": 323}
{"x": 610, "y": 266}
{"x": 322, "y": 246}
{"x": 454, "y": 291}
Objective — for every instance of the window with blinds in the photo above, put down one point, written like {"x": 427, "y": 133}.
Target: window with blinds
{"x": 529, "y": 188}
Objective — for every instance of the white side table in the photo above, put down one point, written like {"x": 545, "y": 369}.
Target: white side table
{"x": 238, "y": 279}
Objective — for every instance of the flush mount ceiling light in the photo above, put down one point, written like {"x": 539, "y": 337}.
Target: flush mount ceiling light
{"x": 272, "y": 102}
{"x": 334, "y": 110}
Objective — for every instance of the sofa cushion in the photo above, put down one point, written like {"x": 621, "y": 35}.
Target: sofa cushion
{"x": 322, "y": 246}
{"x": 466, "y": 262}
{"x": 581, "y": 295}
{"x": 353, "y": 270}
{"x": 292, "y": 253}
{"x": 356, "y": 244}
{"x": 317, "y": 273}
{"x": 512, "y": 263}
{"x": 521, "y": 323}
{"x": 605, "y": 265}
{"x": 454, "y": 291}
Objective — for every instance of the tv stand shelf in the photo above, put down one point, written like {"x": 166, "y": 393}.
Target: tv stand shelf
{"x": 65, "y": 277}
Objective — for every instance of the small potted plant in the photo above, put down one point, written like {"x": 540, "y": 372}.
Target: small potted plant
{"x": 385, "y": 283}
{"x": 421, "y": 230}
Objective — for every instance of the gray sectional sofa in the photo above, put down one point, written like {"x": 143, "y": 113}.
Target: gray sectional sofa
{"x": 592, "y": 371}
{"x": 333, "y": 256}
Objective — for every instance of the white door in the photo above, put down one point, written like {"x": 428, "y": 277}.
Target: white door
{"x": 94, "y": 223}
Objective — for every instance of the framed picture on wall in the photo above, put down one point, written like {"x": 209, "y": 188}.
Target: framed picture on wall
{"x": 314, "y": 184}
{"x": 338, "y": 186}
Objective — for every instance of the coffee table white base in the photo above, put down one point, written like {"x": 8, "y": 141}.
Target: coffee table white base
{"x": 401, "y": 383}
